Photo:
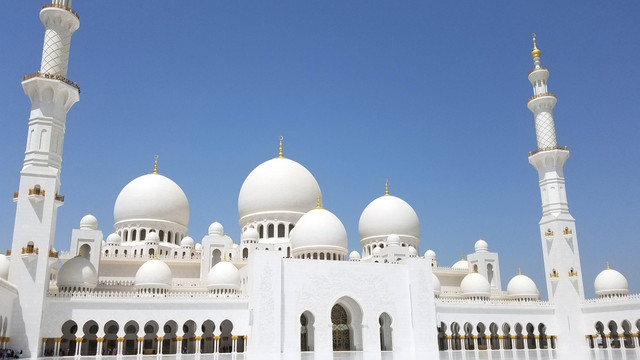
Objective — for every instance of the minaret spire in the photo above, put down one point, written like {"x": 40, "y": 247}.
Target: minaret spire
{"x": 38, "y": 196}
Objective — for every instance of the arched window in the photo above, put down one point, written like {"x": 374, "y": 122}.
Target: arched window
{"x": 261, "y": 231}
{"x": 143, "y": 234}
{"x": 245, "y": 253}
{"x": 306, "y": 331}
{"x": 161, "y": 235}
{"x": 270, "y": 229}
{"x": 133, "y": 235}
{"x": 281, "y": 230}
{"x": 385, "y": 332}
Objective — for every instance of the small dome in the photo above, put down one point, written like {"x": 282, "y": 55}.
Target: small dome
{"x": 152, "y": 238}
{"x": 430, "y": 254}
{"x": 152, "y": 197}
{"x": 522, "y": 287}
{"x": 388, "y": 215}
{"x": 278, "y": 185}
{"x": 113, "y": 239}
{"x": 154, "y": 274}
{"x": 319, "y": 229}
{"x": 223, "y": 276}
{"x": 198, "y": 247}
{"x": 4, "y": 267}
{"x": 481, "y": 246}
{"x": 376, "y": 251}
{"x": 412, "y": 251}
{"x": 187, "y": 241}
{"x": 89, "y": 222}
{"x": 393, "y": 240}
{"x": 354, "y": 256}
{"x": 475, "y": 285}
{"x": 610, "y": 282}
{"x": 436, "y": 284}
{"x": 216, "y": 229}
{"x": 461, "y": 264}
{"x": 251, "y": 234}
{"x": 77, "y": 272}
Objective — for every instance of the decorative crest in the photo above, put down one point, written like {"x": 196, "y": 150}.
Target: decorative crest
{"x": 535, "y": 52}
{"x": 280, "y": 154}
{"x": 155, "y": 164}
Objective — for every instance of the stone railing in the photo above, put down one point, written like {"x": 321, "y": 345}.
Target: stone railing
{"x": 501, "y": 302}
{"x": 541, "y": 95}
{"x": 557, "y": 147}
{"x": 634, "y": 298}
{"x": 136, "y": 294}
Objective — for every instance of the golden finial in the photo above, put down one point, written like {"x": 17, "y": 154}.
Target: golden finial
{"x": 462, "y": 256}
{"x": 386, "y": 187}
{"x": 155, "y": 255}
{"x": 155, "y": 165}
{"x": 280, "y": 154}
{"x": 519, "y": 271}
{"x": 319, "y": 206}
{"x": 535, "y": 52}
{"x": 608, "y": 267}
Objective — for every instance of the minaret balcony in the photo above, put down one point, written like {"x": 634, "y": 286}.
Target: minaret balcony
{"x": 15, "y": 196}
{"x": 59, "y": 199}
{"x": 52, "y": 77}
{"x": 536, "y": 96}
{"x": 36, "y": 194}
{"x": 549, "y": 148}
{"x": 63, "y": 8}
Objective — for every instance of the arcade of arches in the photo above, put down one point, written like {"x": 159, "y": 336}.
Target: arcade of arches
{"x": 131, "y": 338}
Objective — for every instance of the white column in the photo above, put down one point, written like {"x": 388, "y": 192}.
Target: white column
{"x": 56, "y": 347}
{"x": 100, "y": 341}
{"x": 44, "y": 345}
{"x": 78, "y": 346}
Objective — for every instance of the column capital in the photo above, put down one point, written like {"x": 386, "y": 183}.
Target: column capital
{"x": 57, "y": 340}
{"x": 99, "y": 339}
{"x": 120, "y": 339}
{"x": 160, "y": 338}
{"x": 140, "y": 339}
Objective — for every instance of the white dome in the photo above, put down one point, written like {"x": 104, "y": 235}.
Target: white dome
{"x": 216, "y": 229}
{"x": 187, "y": 241}
{"x": 461, "y": 264}
{"x": 223, "y": 275}
{"x": 354, "y": 255}
{"x": 152, "y": 197}
{"x": 89, "y": 222}
{"x": 393, "y": 240}
{"x": 4, "y": 267}
{"x": 113, "y": 239}
{"x": 251, "y": 234}
{"x": 522, "y": 287}
{"x": 198, "y": 247}
{"x": 319, "y": 229}
{"x": 475, "y": 285}
{"x": 481, "y": 246}
{"x": 611, "y": 282}
{"x": 430, "y": 254}
{"x": 154, "y": 274}
{"x": 77, "y": 272}
{"x": 436, "y": 284}
{"x": 278, "y": 185}
{"x": 152, "y": 238}
{"x": 376, "y": 251}
{"x": 412, "y": 251}
{"x": 388, "y": 215}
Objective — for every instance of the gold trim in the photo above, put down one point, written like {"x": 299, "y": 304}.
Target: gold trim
{"x": 160, "y": 338}
{"x": 535, "y": 52}
{"x": 120, "y": 339}
{"x": 280, "y": 153}
{"x": 216, "y": 338}
{"x": 99, "y": 339}
{"x": 155, "y": 165}
{"x": 178, "y": 338}
{"x": 61, "y": 7}
{"x": 79, "y": 339}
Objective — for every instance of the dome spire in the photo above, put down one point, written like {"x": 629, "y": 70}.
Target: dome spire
{"x": 386, "y": 187}
{"x": 535, "y": 52}
{"x": 519, "y": 271}
{"x": 280, "y": 154}
{"x": 155, "y": 165}
{"x": 608, "y": 267}
{"x": 319, "y": 206}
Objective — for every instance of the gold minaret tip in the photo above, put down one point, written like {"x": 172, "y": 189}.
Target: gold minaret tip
{"x": 319, "y": 206}
{"x": 535, "y": 52}
{"x": 280, "y": 154}
{"x": 608, "y": 267}
{"x": 155, "y": 165}
{"x": 386, "y": 187}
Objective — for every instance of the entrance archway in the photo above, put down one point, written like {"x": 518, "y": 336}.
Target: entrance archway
{"x": 385, "y": 332}
{"x": 346, "y": 320}
{"x": 306, "y": 331}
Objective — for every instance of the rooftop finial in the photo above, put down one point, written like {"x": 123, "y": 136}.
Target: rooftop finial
{"x": 386, "y": 187}
{"x": 535, "y": 52}
{"x": 319, "y": 202}
{"x": 462, "y": 257}
{"x": 155, "y": 165}
{"x": 280, "y": 154}
{"x": 608, "y": 267}
{"x": 519, "y": 271}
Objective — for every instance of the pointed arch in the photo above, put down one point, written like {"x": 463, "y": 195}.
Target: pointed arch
{"x": 386, "y": 332}
{"x": 346, "y": 319}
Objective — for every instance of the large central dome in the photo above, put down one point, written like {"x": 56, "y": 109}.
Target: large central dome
{"x": 278, "y": 185}
{"x": 152, "y": 197}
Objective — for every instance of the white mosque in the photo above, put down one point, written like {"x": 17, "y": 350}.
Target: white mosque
{"x": 149, "y": 289}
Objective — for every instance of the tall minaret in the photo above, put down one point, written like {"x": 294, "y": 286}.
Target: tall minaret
{"x": 38, "y": 198}
{"x": 557, "y": 227}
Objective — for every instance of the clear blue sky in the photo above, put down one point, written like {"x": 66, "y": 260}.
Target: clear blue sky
{"x": 431, "y": 95}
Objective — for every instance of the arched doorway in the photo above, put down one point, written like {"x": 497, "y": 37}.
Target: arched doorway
{"x": 306, "y": 331}
{"x": 130, "y": 338}
{"x": 226, "y": 339}
{"x": 206, "y": 346}
{"x": 385, "y": 332}
{"x": 89, "y": 341}
{"x": 68, "y": 340}
{"x": 346, "y": 319}
{"x": 340, "y": 321}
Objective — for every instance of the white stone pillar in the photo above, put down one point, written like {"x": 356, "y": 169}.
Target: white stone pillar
{"x": 120, "y": 343}
{"x": 139, "y": 345}
{"x": 160, "y": 341}
{"x": 78, "y": 346}
{"x": 245, "y": 344}
{"x": 198, "y": 340}
{"x": 179, "y": 344}
{"x": 100, "y": 341}
{"x": 44, "y": 345}
{"x": 216, "y": 344}
{"x": 234, "y": 344}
